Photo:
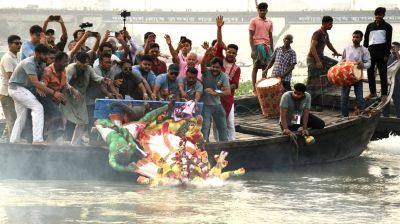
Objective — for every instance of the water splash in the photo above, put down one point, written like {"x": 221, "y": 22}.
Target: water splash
{"x": 388, "y": 145}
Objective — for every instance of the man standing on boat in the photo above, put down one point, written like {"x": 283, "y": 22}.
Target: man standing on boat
{"x": 284, "y": 59}
{"x": 261, "y": 41}
{"x": 393, "y": 58}
{"x": 75, "y": 111}
{"x": 8, "y": 64}
{"x": 22, "y": 86}
{"x": 317, "y": 63}
{"x": 360, "y": 56}
{"x": 216, "y": 85}
{"x": 378, "y": 39}
{"x": 295, "y": 111}
{"x": 233, "y": 72}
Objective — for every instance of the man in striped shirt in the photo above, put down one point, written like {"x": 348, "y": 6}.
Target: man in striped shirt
{"x": 284, "y": 59}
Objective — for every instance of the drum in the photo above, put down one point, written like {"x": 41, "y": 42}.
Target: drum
{"x": 344, "y": 74}
{"x": 269, "y": 92}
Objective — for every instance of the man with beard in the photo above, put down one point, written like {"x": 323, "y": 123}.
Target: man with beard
{"x": 378, "y": 40}
{"x": 295, "y": 111}
{"x": 317, "y": 63}
{"x": 51, "y": 56}
{"x": 131, "y": 83}
{"x": 75, "y": 111}
{"x": 158, "y": 66}
{"x": 359, "y": 55}
{"x": 216, "y": 85}
{"x": 190, "y": 88}
{"x": 50, "y": 33}
{"x": 166, "y": 85}
{"x": 22, "y": 87}
{"x": 233, "y": 72}
{"x": 54, "y": 77}
{"x": 8, "y": 64}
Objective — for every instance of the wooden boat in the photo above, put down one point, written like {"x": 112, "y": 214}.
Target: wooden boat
{"x": 259, "y": 145}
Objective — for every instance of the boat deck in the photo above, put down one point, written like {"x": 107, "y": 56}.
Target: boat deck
{"x": 257, "y": 125}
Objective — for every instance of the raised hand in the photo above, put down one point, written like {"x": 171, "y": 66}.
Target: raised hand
{"x": 61, "y": 20}
{"x": 168, "y": 39}
{"x": 220, "y": 21}
{"x": 205, "y": 45}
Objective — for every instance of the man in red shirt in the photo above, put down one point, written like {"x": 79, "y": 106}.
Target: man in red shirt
{"x": 233, "y": 72}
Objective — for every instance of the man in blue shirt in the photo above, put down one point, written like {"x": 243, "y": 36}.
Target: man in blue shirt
{"x": 144, "y": 70}
{"x": 167, "y": 84}
{"x": 37, "y": 36}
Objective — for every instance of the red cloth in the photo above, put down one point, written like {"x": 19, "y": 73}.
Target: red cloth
{"x": 233, "y": 76}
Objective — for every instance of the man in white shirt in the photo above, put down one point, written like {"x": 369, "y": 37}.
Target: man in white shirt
{"x": 359, "y": 55}
{"x": 7, "y": 66}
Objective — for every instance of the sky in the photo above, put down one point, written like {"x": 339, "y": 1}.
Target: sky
{"x": 205, "y": 5}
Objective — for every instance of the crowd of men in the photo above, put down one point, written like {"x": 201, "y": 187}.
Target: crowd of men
{"x": 59, "y": 82}
{"x": 55, "y": 84}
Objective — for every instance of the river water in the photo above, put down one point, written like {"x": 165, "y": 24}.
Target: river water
{"x": 362, "y": 190}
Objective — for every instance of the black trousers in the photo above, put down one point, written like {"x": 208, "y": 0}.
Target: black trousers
{"x": 314, "y": 122}
{"x": 382, "y": 68}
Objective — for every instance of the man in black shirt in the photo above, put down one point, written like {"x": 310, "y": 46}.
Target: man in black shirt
{"x": 378, "y": 39}
{"x": 131, "y": 83}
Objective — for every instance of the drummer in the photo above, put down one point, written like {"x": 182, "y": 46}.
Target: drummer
{"x": 284, "y": 58}
{"x": 360, "y": 56}
{"x": 295, "y": 111}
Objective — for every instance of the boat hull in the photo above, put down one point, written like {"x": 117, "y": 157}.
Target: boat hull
{"x": 337, "y": 142}
{"x": 334, "y": 143}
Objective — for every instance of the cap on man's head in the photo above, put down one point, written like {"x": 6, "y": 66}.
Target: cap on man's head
{"x": 173, "y": 68}
{"x": 50, "y": 32}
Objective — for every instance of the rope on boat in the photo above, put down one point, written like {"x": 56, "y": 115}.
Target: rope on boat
{"x": 293, "y": 141}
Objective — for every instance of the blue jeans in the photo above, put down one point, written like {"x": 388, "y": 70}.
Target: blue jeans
{"x": 344, "y": 98}
{"x": 217, "y": 113}
{"x": 395, "y": 97}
